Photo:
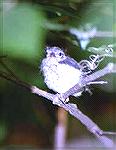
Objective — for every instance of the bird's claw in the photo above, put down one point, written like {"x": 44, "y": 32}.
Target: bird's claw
{"x": 58, "y": 99}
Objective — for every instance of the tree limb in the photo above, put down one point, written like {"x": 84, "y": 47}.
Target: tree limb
{"x": 110, "y": 68}
{"x": 58, "y": 99}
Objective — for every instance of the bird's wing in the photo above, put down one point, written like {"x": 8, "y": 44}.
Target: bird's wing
{"x": 71, "y": 62}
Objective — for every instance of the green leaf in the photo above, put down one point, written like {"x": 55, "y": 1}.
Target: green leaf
{"x": 22, "y": 34}
{"x": 3, "y": 130}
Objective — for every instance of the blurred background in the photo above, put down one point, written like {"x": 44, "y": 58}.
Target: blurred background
{"x": 26, "y": 27}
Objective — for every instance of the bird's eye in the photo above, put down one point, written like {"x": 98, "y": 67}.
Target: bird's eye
{"x": 60, "y": 54}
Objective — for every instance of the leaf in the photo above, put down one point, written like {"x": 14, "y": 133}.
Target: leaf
{"x": 22, "y": 32}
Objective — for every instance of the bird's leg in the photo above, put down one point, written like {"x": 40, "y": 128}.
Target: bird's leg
{"x": 58, "y": 99}
{"x": 86, "y": 88}
{"x": 66, "y": 100}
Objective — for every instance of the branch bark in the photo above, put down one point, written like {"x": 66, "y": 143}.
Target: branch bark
{"x": 58, "y": 99}
{"x": 110, "y": 68}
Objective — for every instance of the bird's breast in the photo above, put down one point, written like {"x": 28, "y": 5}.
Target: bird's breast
{"x": 60, "y": 77}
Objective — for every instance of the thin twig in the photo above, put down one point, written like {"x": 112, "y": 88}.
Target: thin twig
{"x": 18, "y": 82}
{"x": 8, "y": 69}
{"x": 110, "y": 68}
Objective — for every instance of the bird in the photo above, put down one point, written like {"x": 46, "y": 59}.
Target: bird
{"x": 60, "y": 71}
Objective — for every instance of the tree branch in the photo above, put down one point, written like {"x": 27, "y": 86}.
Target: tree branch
{"x": 58, "y": 99}
{"x": 18, "y": 82}
{"x": 110, "y": 68}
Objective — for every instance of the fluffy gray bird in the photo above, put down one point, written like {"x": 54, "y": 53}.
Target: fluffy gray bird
{"x": 60, "y": 71}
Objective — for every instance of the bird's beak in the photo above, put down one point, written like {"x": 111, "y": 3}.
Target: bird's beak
{"x": 52, "y": 54}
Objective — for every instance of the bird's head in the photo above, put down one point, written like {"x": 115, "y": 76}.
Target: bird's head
{"x": 55, "y": 52}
